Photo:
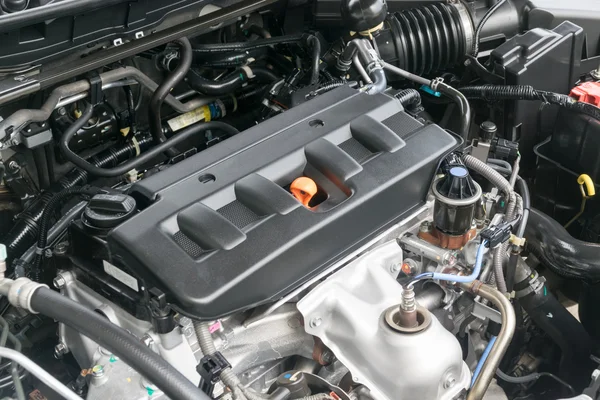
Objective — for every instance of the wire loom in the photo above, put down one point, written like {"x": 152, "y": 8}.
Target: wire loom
{"x": 523, "y": 92}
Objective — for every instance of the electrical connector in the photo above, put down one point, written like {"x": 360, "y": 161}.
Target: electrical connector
{"x": 496, "y": 235}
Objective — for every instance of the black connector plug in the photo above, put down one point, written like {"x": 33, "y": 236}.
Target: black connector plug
{"x": 496, "y": 235}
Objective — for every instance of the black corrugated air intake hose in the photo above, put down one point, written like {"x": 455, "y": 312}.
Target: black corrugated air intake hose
{"x": 25, "y": 231}
{"x": 426, "y": 39}
{"x": 558, "y": 250}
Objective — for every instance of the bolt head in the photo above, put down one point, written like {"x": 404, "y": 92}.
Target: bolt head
{"x": 14, "y": 165}
{"x": 449, "y": 382}
{"x": 98, "y": 371}
{"x": 425, "y": 226}
{"x": 595, "y": 374}
{"x": 60, "y": 350}
{"x": 59, "y": 282}
{"x": 62, "y": 111}
{"x": 395, "y": 267}
{"x": 147, "y": 340}
{"x": 316, "y": 322}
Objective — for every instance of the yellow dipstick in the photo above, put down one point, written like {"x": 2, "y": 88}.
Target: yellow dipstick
{"x": 583, "y": 180}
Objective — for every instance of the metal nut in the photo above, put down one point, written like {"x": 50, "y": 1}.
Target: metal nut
{"x": 98, "y": 371}
{"x": 60, "y": 350}
{"x": 59, "y": 282}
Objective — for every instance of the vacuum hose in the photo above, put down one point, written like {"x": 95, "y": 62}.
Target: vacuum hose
{"x": 116, "y": 339}
{"x": 561, "y": 252}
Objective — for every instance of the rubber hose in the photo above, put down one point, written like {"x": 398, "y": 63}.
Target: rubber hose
{"x": 131, "y": 109}
{"x": 315, "y": 44}
{"x": 464, "y": 108}
{"x": 532, "y": 377}
{"x": 263, "y": 74}
{"x": 250, "y": 45}
{"x": 564, "y": 329}
{"x": 164, "y": 89}
{"x": 379, "y": 79}
{"x": 24, "y": 233}
{"x": 145, "y": 157}
{"x": 216, "y": 88}
{"x": 117, "y": 340}
{"x": 485, "y": 18}
{"x": 229, "y": 60}
{"x": 409, "y": 98}
{"x": 559, "y": 251}
{"x": 259, "y": 31}
{"x": 501, "y": 163}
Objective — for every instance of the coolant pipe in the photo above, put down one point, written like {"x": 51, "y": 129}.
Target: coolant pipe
{"x": 509, "y": 321}
{"x": 561, "y": 252}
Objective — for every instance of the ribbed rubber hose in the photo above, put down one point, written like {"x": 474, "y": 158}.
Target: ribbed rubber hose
{"x": 501, "y": 183}
{"x": 117, "y": 340}
{"x": 44, "y": 225}
{"x": 409, "y": 98}
{"x": 163, "y": 90}
{"x": 25, "y": 231}
{"x": 523, "y": 92}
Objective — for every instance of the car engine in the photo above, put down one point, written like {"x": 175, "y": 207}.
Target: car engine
{"x": 299, "y": 200}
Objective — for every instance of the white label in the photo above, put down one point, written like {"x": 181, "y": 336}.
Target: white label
{"x": 187, "y": 119}
{"x": 121, "y": 275}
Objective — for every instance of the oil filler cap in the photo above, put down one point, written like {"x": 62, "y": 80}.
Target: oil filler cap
{"x": 106, "y": 211}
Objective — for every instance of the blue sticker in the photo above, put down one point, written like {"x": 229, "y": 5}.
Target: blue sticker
{"x": 430, "y": 91}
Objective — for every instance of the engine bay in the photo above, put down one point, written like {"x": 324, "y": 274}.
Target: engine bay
{"x": 299, "y": 200}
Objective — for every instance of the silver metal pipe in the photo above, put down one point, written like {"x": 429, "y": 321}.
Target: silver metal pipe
{"x": 39, "y": 373}
{"x": 507, "y": 331}
{"x": 361, "y": 70}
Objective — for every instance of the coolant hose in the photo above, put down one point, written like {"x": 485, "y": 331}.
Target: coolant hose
{"x": 230, "y": 83}
{"x": 316, "y": 59}
{"x": 117, "y": 340}
{"x": 163, "y": 90}
{"x": 145, "y": 157}
{"x": 561, "y": 252}
{"x": 503, "y": 340}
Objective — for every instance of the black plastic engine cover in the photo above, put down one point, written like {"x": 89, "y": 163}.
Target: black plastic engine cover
{"x": 221, "y": 232}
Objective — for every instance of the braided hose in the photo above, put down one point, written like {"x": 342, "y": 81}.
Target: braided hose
{"x": 501, "y": 183}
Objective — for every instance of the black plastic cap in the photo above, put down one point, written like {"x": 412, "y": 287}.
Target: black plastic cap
{"x": 457, "y": 184}
{"x": 106, "y": 211}
{"x": 362, "y": 15}
{"x": 487, "y": 130}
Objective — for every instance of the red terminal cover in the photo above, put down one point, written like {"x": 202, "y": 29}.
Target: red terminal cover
{"x": 588, "y": 92}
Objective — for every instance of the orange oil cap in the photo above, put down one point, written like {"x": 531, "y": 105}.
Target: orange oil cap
{"x": 303, "y": 189}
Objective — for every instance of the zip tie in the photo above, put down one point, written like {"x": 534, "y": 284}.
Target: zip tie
{"x": 235, "y": 102}
{"x": 136, "y": 145}
{"x": 249, "y": 72}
